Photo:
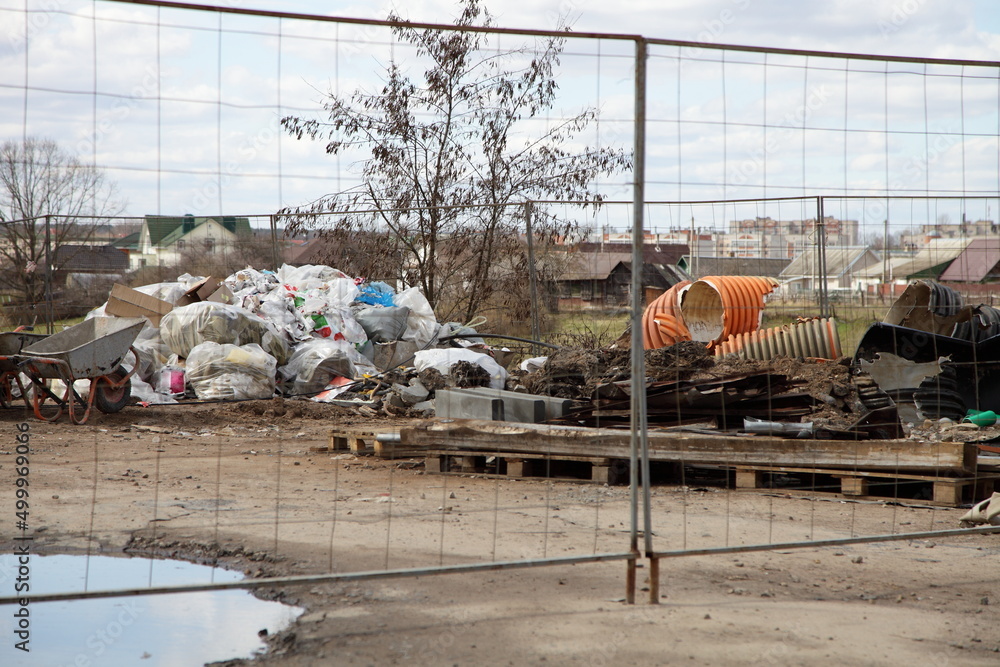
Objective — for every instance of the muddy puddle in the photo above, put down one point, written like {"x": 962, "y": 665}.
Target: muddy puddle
{"x": 154, "y": 630}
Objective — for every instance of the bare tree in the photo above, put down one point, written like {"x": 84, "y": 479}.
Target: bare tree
{"x": 446, "y": 162}
{"x": 43, "y": 188}
{"x": 205, "y": 258}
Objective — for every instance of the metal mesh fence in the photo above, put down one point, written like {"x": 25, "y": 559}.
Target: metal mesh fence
{"x": 842, "y": 176}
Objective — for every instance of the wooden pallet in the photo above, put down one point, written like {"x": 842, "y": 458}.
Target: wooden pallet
{"x": 596, "y": 469}
{"x": 364, "y": 441}
{"x": 948, "y": 491}
{"x": 561, "y": 442}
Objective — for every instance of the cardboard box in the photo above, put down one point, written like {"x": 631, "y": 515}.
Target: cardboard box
{"x": 222, "y": 295}
{"x": 200, "y": 291}
{"x": 127, "y": 302}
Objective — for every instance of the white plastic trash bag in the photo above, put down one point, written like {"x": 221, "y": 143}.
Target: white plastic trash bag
{"x": 187, "y": 327}
{"x": 144, "y": 393}
{"x": 316, "y": 362}
{"x": 421, "y": 324}
{"x": 442, "y": 360}
{"x": 311, "y": 276}
{"x": 153, "y": 352}
{"x": 222, "y": 371}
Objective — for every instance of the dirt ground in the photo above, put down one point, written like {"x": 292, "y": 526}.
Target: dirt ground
{"x": 240, "y": 485}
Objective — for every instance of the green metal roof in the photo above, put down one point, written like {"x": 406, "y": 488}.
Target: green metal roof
{"x": 130, "y": 242}
{"x": 167, "y": 230}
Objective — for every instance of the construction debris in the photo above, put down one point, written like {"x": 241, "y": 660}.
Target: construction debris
{"x": 307, "y": 332}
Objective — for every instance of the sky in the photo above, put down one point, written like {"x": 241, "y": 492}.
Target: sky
{"x": 181, "y": 108}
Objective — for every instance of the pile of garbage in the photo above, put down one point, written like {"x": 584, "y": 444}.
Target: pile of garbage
{"x": 302, "y": 332}
{"x": 933, "y": 356}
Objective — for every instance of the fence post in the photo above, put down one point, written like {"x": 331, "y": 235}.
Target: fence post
{"x": 536, "y": 333}
{"x": 49, "y": 311}
{"x": 639, "y": 438}
{"x": 274, "y": 241}
{"x": 824, "y": 304}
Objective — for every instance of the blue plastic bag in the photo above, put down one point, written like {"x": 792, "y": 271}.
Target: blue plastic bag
{"x": 376, "y": 294}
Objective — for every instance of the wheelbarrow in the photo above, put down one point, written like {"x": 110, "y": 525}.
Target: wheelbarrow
{"x": 11, "y": 344}
{"x": 92, "y": 350}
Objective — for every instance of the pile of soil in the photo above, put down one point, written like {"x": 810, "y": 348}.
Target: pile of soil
{"x": 576, "y": 372}
{"x": 281, "y": 411}
{"x": 678, "y": 362}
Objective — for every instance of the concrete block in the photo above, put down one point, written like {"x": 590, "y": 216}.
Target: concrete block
{"x": 523, "y": 405}
{"x": 459, "y": 404}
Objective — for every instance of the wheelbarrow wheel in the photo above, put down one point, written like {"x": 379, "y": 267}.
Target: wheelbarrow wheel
{"x": 110, "y": 399}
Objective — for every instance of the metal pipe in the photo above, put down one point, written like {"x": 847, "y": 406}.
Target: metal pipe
{"x": 249, "y": 584}
{"x": 485, "y": 335}
{"x": 654, "y": 581}
{"x": 638, "y": 269}
{"x": 274, "y": 241}
{"x": 638, "y": 392}
{"x": 562, "y": 34}
{"x": 50, "y": 325}
{"x": 931, "y": 534}
{"x": 824, "y": 304}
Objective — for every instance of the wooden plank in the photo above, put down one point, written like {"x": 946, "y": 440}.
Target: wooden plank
{"x": 521, "y": 465}
{"x": 691, "y": 448}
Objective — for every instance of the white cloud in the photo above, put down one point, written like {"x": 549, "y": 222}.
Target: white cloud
{"x": 317, "y": 56}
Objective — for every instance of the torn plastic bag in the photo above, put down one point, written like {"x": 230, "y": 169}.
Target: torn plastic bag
{"x": 153, "y": 352}
{"x": 335, "y": 293}
{"x": 533, "y": 364}
{"x": 443, "y": 359}
{"x": 223, "y": 371}
{"x": 337, "y": 323}
{"x": 421, "y": 325}
{"x": 314, "y": 363}
{"x": 279, "y": 309}
{"x": 376, "y": 294}
{"x": 469, "y": 335}
{"x": 311, "y": 276}
{"x": 383, "y": 325}
{"x": 144, "y": 393}
{"x": 251, "y": 281}
{"x": 186, "y": 327}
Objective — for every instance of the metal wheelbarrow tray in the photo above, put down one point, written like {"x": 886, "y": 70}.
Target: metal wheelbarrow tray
{"x": 93, "y": 350}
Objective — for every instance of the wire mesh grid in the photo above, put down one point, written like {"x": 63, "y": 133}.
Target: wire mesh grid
{"x": 751, "y": 154}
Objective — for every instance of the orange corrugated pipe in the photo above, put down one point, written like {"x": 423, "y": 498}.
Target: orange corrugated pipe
{"x": 662, "y": 323}
{"x": 717, "y": 307}
{"x": 814, "y": 338}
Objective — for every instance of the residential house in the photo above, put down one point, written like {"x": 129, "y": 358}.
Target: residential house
{"x": 894, "y": 273}
{"x": 85, "y": 265}
{"x": 978, "y": 263}
{"x": 163, "y": 240}
{"x": 844, "y": 266}
{"x": 733, "y": 266}
{"x": 596, "y": 279}
{"x": 967, "y": 230}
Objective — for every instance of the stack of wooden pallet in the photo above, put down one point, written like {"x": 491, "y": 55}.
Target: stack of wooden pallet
{"x": 951, "y": 468}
